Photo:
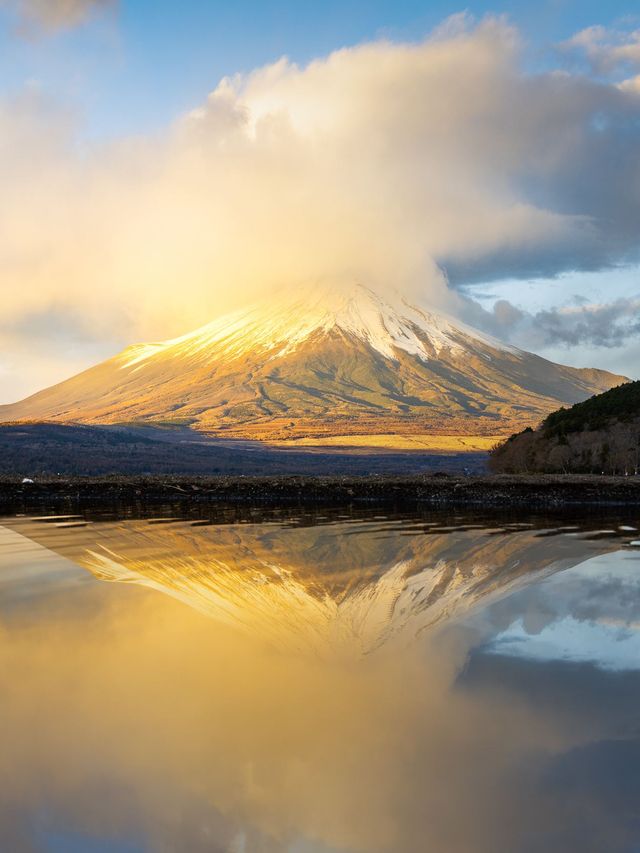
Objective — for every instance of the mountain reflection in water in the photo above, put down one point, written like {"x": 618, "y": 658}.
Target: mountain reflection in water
{"x": 343, "y": 587}
{"x": 331, "y": 686}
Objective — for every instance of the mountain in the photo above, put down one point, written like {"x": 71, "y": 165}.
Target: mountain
{"x": 331, "y": 361}
{"x": 598, "y": 436}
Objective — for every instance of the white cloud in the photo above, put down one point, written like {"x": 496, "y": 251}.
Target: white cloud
{"x": 607, "y": 50}
{"x": 632, "y": 84}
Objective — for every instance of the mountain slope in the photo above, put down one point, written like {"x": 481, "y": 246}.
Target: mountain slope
{"x": 340, "y": 360}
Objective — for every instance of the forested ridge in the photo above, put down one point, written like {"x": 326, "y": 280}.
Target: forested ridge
{"x": 598, "y": 436}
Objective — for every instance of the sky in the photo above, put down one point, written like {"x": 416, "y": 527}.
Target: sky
{"x": 163, "y": 162}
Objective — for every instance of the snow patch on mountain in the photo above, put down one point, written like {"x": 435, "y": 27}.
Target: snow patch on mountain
{"x": 279, "y": 326}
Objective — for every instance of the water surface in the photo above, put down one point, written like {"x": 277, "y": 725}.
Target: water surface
{"x": 319, "y": 682}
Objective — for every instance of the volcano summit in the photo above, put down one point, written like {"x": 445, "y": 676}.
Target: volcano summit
{"x": 335, "y": 361}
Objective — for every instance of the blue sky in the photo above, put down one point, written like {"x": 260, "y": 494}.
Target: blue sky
{"x": 136, "y": 69}
{"x": 545, "y": 255}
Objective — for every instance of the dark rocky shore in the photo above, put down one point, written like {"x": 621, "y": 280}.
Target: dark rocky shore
{"x": 428, "y": 490}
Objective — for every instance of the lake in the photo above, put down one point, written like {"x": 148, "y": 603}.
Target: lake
{"x": 319, "y": 681}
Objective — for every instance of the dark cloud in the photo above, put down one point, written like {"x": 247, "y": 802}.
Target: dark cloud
{"x": 610, "y": 324}
{"x": 576, "y": 155}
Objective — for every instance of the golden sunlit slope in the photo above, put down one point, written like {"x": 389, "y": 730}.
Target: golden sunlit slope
{"x": 395, "y": 441}
{"x": 336, "y": 361}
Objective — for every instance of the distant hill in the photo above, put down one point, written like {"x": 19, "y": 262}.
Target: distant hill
{"x": 599, "y": 436}
{"x": 326, "y": 362}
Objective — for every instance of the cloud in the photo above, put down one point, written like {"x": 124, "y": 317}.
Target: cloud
{"x": 606, "y": 50}
{"x": 631, "y": 85}
{"x": 606, "y": 325}
{"x": 580, "y": 324}
{"x": 53, "y": 15}
{"x": 415, "y": 165}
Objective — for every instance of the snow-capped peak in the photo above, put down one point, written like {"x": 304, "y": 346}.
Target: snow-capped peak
{"x": 280, "y": 325}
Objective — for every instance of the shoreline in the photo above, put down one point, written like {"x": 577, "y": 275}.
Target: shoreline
{"x": 438, "y": 490}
